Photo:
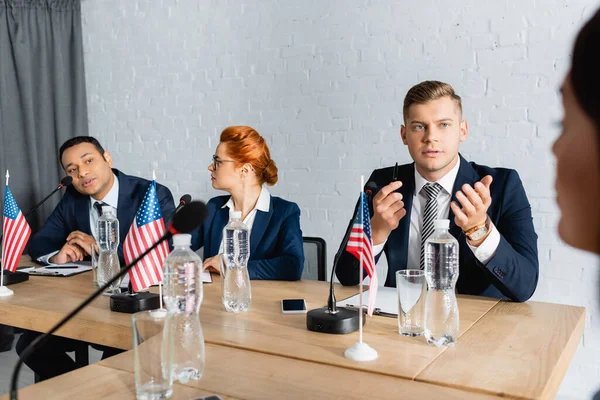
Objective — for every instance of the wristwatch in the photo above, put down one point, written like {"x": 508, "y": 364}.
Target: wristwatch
{"x": 479, "y": 232}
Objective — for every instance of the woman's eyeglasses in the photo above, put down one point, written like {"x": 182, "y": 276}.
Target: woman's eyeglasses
{"x": 217, "y": 161}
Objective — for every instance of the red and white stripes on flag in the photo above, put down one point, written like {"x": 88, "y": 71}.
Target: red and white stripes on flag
{"x": 147, "y": 228}
{"x": 360, "y": 245}
{"x": 16, "y": 232}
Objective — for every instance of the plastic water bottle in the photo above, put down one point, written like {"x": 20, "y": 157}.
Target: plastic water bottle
{"x": 441, "y": 272}
{"x": 183, "y": 296}
{"x": 107, "y": 230}
{"x": 236, "y": 252}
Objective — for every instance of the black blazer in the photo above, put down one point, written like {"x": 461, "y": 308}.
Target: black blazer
{"x": 513, "y": 271}
{"x": 276, "y": 248}
{"x": 73, "y": 214}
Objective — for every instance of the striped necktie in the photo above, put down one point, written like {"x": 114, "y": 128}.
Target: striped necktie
{"x": 430, "y": 214}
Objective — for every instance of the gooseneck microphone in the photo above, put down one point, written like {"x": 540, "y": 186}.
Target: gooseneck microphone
{"x": 185, "y": 199}
{"x": 66, "y": 181}
{"x": 333, "y": 319}
{"x": 189, "y": 218}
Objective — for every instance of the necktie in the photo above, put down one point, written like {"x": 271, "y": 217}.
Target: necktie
{"x": 430, "y": 214}
{"x": 98, "y": 206}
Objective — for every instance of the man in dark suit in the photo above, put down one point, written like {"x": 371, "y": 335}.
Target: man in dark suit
{"x": 67, "y": 235}
{"x": 488, "y": 209}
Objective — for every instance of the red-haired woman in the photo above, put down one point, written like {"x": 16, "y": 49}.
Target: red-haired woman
{"x": 241, "y": 166}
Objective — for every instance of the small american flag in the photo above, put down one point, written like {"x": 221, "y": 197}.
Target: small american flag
{"x": 16, "y": 232}
{"x": 148, "y": 226}
{"x": 360, "y": 245}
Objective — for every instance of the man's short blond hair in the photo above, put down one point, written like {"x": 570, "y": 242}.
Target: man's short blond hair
{"x": 427, "y": 91}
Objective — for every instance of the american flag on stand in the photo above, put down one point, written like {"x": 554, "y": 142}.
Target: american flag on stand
{"x": 360, "y": 245}
{"x": 148, "y": 226}
{"x": 16, "y": 232}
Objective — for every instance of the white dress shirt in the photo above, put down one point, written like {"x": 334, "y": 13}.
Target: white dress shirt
{"x": 111, "y": 199}
{"x": 263, "y": 204}
{"x": 484, "y": 252}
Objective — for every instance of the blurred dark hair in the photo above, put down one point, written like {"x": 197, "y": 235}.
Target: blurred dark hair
{"x": 78, "y": 140}
{"x": 585, "y": 69}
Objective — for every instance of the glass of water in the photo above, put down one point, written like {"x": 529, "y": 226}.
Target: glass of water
{"x": 411, "y": 287}
{"x": 153, "y": 354}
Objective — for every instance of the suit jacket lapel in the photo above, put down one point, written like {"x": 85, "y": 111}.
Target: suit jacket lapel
{"x": 466, "y": 174}
{"x": 261, "y": 221}
{"x": 82, "y": 214}
{"x": 216, "y": 231}
{"x": 126, "y": 203}
{"x": 408, "y": 192}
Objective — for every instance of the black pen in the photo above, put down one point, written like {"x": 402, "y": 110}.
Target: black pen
{"x": 395, "y": 173}
{"x": 67, "y": 267}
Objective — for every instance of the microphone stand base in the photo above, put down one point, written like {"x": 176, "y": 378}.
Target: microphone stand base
{"x": 342, "y": 322}
{"x": 14, "y": 277}
{"x": 133, "y": 302}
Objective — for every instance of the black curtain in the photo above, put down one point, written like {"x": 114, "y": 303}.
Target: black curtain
{"x": 42, "y": 96}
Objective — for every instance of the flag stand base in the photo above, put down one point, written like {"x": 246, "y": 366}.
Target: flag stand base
{"x": 11, "y": 278}
{"x": 4, "y": 291}
{"x": 132, "y": 303}
{"x": 360, "y": 351}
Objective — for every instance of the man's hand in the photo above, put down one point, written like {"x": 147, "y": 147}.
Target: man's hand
{"x": 82, "y": 240}
{"x": 475, "y": 203}
{"x": 213, "y": 264}
{"x": 388, "y": 209}
{"x": 68, "y": 253}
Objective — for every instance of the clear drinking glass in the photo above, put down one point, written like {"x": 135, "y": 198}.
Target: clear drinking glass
{"x": 411, "y": 287}
{"x": 153, "y": 354}
{"x": 95, "y": 254}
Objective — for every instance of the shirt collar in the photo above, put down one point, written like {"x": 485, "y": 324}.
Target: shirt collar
{"x": 262, "y": 204}
{"x": 112, "y": 197}
{"x": 447, "y": 181}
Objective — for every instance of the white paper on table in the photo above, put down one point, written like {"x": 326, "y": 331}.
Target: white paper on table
{"x": 206, "y": 277}
{"x": 386, "y": 302}
{"x": 67, "y": 269}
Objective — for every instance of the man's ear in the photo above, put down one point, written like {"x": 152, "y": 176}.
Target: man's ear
{"x": 108, "y": 158}
{"x": 464, "y": 130}
{"x": 403, "y": 134}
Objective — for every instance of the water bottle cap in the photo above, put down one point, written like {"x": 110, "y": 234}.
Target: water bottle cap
{"x": 106, "y": 209}
{"x": 182, "y": 239}
{"x": 441, "y": 224}
{"x": 236, "y": 215}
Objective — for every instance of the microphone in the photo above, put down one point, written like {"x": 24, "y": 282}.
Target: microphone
{"x": 66, "y": 181}
{"x": 18, "y": 276}
{"x": 371, "y": 189}
{"x": 185, "y": 199}
{"x": 333, "y": 319}
{"x": 185, "y": 221}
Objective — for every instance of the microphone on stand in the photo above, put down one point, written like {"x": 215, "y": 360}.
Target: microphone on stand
{"x": 185, "y": 221}
{"x": 185, "y": 199}
{"x": 333, "y": 319}
{"x": 66, "y": 181}
{"x": 17, "y": 276}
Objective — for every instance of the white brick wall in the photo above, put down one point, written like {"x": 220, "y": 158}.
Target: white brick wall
{"x": 324, "y": 81}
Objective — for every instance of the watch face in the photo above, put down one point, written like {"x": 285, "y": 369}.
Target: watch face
{"x": 478, "y": 234}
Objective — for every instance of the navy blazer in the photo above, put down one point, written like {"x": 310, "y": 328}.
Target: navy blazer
{"x": 513, "y": 271}
{"x": 73, "y": 214}
{"x": 276, "y": 248}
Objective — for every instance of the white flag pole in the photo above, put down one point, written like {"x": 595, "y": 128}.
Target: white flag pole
{"x": 4, "y": 291}
{"x": 360, "y": 284}
{"x": 160, "y": 295}
{"x": 360, "y": 351}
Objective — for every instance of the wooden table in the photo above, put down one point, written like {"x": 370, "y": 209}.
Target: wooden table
{"x": 504, "y": 349}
